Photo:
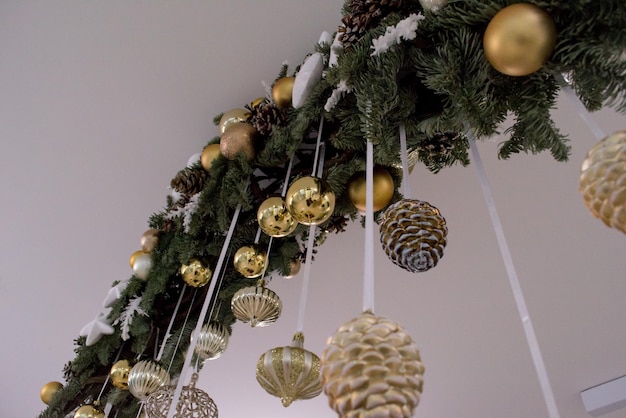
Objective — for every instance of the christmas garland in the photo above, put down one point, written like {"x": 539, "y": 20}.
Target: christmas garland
{"x": 427, "y": 67}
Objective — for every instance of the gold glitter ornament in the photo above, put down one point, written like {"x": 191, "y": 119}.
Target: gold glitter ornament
{"x": 146, "y": 377}
{"x": 290, "y": 373}
{"x": 49, "y": 390}
{"x": 89, "y": 411}
{"x": 413, "y": 234}
{"x": 195, "y": 273}
{"x": 250, "y": 261}
{"x": 282, "y": 91}
{"x": 257, "y": 305}
{"x": 232, "y": 117}
{"x": 239, "y": 138}
{"x": 212, "y": 341}
{"x": 193, "y": 402}
{"x": 372, "y": 368}
{"x": 603, "y": 180}
{"x": 274, "y": 218}
{"x": 310, "y": 200}
{"x": 119, "y": 374}
{"x": 209, "y": 154}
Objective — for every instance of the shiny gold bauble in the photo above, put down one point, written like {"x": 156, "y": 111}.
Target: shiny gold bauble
{"x": 290, "y": 373}
{"x": 149, "y": 240}
{"x": 119, "y": 374}
{"x": 195, "y": 273}
{"x": 250, "y": 261}
{"x": 372, "y": 368}
{"x": 274, "y": 218}
{"x": 49, "y": 390}
{"x": 256, "y": 102}
{"x": 310, "y": 200}
{"x": 294, "y": 268}
{"x": 145, "y": 378}
{"x": 232, "y": 117}
{"x": 519, "y": 39}
{"x": 603, "y": 180}
{"x": 134, "y": 256}
{"x": 282, "y": 91}
{"x": 256, "y": 305}
{"x": 384, "y": 189}
{"x": 209, "y": 155}
{"x": 239, "y": 138}
{"x": 89, "y": 411}
{"x": 142, "y": 265}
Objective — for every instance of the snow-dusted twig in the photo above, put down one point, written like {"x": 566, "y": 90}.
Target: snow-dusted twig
{"x": 186, "y": 212}
{"x": 406, "y": 29}
{"x": 336, "y": 95}
{"x": 126, "y": 318}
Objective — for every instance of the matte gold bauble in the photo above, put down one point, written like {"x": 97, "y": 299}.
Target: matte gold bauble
{"x": 232, "y": 117}
{"x": 209, "y": 155}
{"x": 149, "y": 240}
{"x": 49, "y": 390}
{"x": 238, "y": 138}
{"x": 89, "y": 411}
{"x": 294, "y": 268}
{"x": 282, "y": 91}
{"x": 119, "y": 374}
{"x": 310, "y": 200}
{"x": 249, "y": 261}
{"x": 274, "y": 218}
{"x": 195, "y": 274}
{"x": 134, "y": 256}
{"x": 519, "y": 39}
{"x": 383, "y": 189}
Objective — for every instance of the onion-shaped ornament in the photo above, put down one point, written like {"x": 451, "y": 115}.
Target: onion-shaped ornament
{"x": 413, "y": 234}
{"x": 257, "y": 305}
{"x": 372, "y": 368}
{"x": 290, "y": 373}
{"x": 603, "y": 180}
{"x": 250, "y": 261}
{"x": 310, "y": 200}
{"x": 146, "y": 377}
{"x": 193, "y": 402}
{"x": 274, "y": 218}
{"x": 212, "y": 341}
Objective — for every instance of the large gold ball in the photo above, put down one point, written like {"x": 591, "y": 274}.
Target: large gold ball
{"x": 310, "y": 200}
{"x": 249, "y": 261}
{"x": 149, "y": 240}
{"x": 195, "y": 274}
{"x": 88, "y": 411}
{"x": 282, "y": 91}
{"x": 383, "y": 189}
{"x": 519, "y": 39}
{"x": 274, "y": 218}
{"x": 231, "y": 117}
{"x": 238, "y": 138}
{"x": 119, "y": 374}
{"x": 49, "y": 390}
{"x": 209, "y": 155}
{"x": 133, "y": 256}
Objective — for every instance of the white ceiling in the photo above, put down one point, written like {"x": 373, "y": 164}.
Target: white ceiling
{"x": 102, "y": 103}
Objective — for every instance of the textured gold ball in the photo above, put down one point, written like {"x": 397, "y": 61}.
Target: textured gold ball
{"x": 603, "y": 180}
{"x": 294, "y": 268}
{"x": 231, "y": 117}
{"x": 49, "y": 390}
{"x": 89, "y": 411}
{"x": 384, "y": 189}
{"x": 239, "y": 138}
{"x": 282, "y": 91}
{"x": 119, "y": 374}
{"x": 133, "y": 257}
{"x": 310, "y": 200}
{"x": 149, "y": 240}
{"x": 249, "y": 261}
{"x": 209, "y": 154}
{"x": 519, "y": 39}
{"x": 274, "y": 218}
{"x": 196, "y": 274}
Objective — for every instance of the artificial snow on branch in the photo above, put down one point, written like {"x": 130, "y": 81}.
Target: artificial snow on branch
{"x": 406, "y": 29}
{"x": 126, "y": 318}
{"x": 186, "y": 212}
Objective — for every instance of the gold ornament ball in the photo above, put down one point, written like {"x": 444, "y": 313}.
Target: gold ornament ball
{"x": 196, "y": 274}
{"x": 383, "y": 189}
{"x": 249, "y": 261}
{"x": 232, "y": 117}
{"x": 282, "y": 91}
{"x": 519, "y": 39}
{"x": 89, "y": 411}
{"x": 149, "y": 240}
{"x": 142, "y": 264}
{"x": 256, "y": 102}
{"x": 119, "y": 374}
{"x": 239, "y": 138}
{"x": 133, "y": 256}
{"x": 294, "y": 268}
{"x": 49, "y": 390}
{"x": 274, "y": 218}
{"x": 310, "y": 200}
{"x": 209, "y": 155}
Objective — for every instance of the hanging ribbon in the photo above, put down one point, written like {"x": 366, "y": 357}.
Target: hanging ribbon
{"x": 368, "y": 259}
{"x": 169, "y": 326}
{"x": 406, "y": 187}
{"x": 580, "y": 108}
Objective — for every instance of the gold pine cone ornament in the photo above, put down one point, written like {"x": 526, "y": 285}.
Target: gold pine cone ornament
{"x": 372, "y": 368}
{"x": 290, "y": 373}
{"x": 257, "y": 305}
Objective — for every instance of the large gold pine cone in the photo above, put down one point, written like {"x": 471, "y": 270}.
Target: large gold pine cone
{"x": 372, "y": 368}
{"x": 413, "y": 234}
{"x": 290, "y": 373}
{"x": 603, "y": 180}
{"x": 257, "y": 305}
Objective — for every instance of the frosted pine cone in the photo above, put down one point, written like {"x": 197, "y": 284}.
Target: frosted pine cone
{"x": 413, "y": 234}
{"x": 372, "y": 368}
{"x": 603, "y": 180}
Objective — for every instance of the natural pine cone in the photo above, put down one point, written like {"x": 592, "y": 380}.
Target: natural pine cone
{"x": 265, "y": 116}
{"x": 189, "y": 180}
{"x": 363, "y": 15}
{"x": 413, "y": 234}
{"x": 603, "y": 180}
{"x": 372, "y": 368}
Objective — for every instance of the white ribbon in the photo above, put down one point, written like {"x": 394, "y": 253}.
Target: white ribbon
{"x": 368, "y": 259}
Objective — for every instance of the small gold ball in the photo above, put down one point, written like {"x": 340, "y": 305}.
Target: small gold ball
{"x": 282, "y": 91}
{"x": 274, "y": 218}
{"x": 119, "y": 374}
{"x": 133, "y": 256}
{"x": 88, "y": 411}
{"x": 249, "y": 261}
{"x": 519, "y": 39}
{"x": 310, "y": 200}
{"x": 384, "y": 189}
{"x": 294, "y": 268}
{"x": 149, "y": 240}
{"x": 49, "y": 390}
{"x": 231, "y": 117}
{"x": 195, "y": 274}
{"x": 209, "y": 155}
{"x": 238, "y": 138}
{"x": 256, "y": 102}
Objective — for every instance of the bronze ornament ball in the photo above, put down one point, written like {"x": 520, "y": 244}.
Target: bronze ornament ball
{"x": 49, "y": 390}
{"x": 384, "y": 189}
{"x": 310, "y": 200}
{"x": 239, "y": 138}
{"x": 209, "y": 155}
{"x": 519, "y": 39}
{"x": 282, "y": 91}
{"x": 250, "y": 261}
{"x": 274, "y": 218}
{"x": 231, "y": 117}
{"x": 195, "y": 274}
{"x": 149, "y": 240}
{"x": 119, "y": 374}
